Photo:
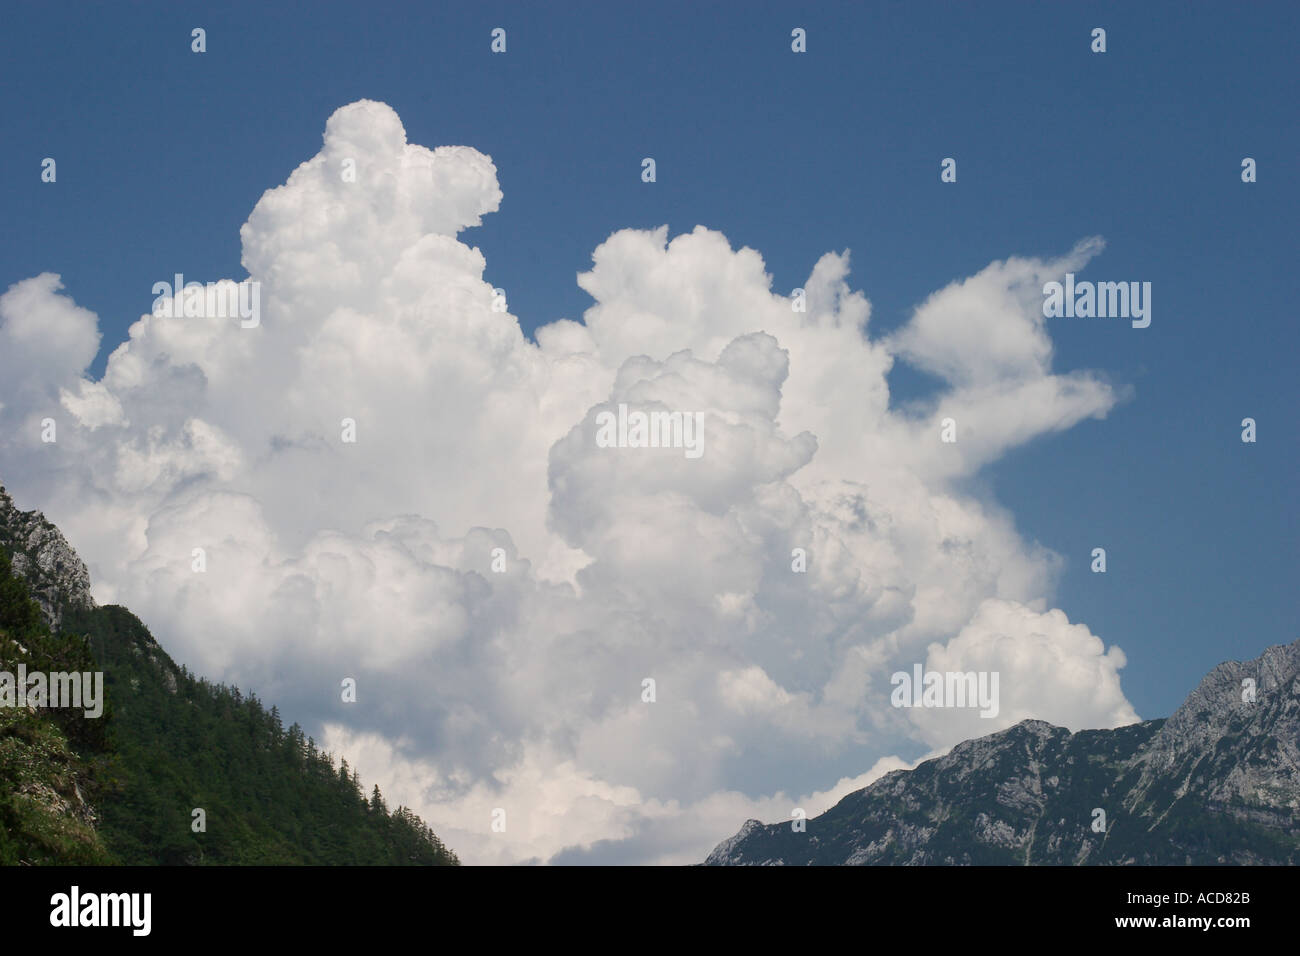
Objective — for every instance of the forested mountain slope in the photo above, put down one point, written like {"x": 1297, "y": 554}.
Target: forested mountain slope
{"x": 124, "y": 787}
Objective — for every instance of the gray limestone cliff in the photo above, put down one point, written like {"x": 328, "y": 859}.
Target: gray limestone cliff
{"x": 1218, "y": 782}
{"x": 43, "y": 558}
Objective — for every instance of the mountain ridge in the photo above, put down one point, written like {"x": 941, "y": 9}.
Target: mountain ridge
{"x": 176, "y": 770}
{"x": 1217, "y": 782}
{"x": 42, "y": 556}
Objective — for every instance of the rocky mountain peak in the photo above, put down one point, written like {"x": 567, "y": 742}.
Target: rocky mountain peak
{"x": 1217, "y": 783}
{"x": 41, "y": 556}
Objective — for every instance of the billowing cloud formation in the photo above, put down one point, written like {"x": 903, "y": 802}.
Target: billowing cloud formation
{"x": 500, "y": 584}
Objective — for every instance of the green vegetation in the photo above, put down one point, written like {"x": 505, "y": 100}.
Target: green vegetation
{"x": 170, "y": 743}
{"x": 50, "y": 760}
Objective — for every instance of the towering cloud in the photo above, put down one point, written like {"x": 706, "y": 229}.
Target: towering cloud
{"x": 501, "y": 585}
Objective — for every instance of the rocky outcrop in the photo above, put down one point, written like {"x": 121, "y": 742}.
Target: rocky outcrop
{"x": 43, "y": 558}
{"x": 1216, "y": 783}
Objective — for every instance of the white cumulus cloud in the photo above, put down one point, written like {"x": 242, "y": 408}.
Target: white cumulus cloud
{"x": 498, "y": 583}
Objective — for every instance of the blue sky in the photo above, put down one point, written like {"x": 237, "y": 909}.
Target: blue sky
{"x": 163, "y": 153}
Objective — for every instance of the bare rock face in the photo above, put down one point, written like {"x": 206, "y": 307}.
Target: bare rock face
{"x": 1233, "y": 746}
{"x": 43, "y": 558}
{"x": 1216, "y": 783}
{"x": 724, "y": 850}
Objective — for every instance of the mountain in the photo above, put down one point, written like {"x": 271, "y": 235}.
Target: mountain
{"x": 1216, "y": 783}
{"x": 124, "y": 787}
{"x": 40, "y": 555}
{"x": 48, "y": 759}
